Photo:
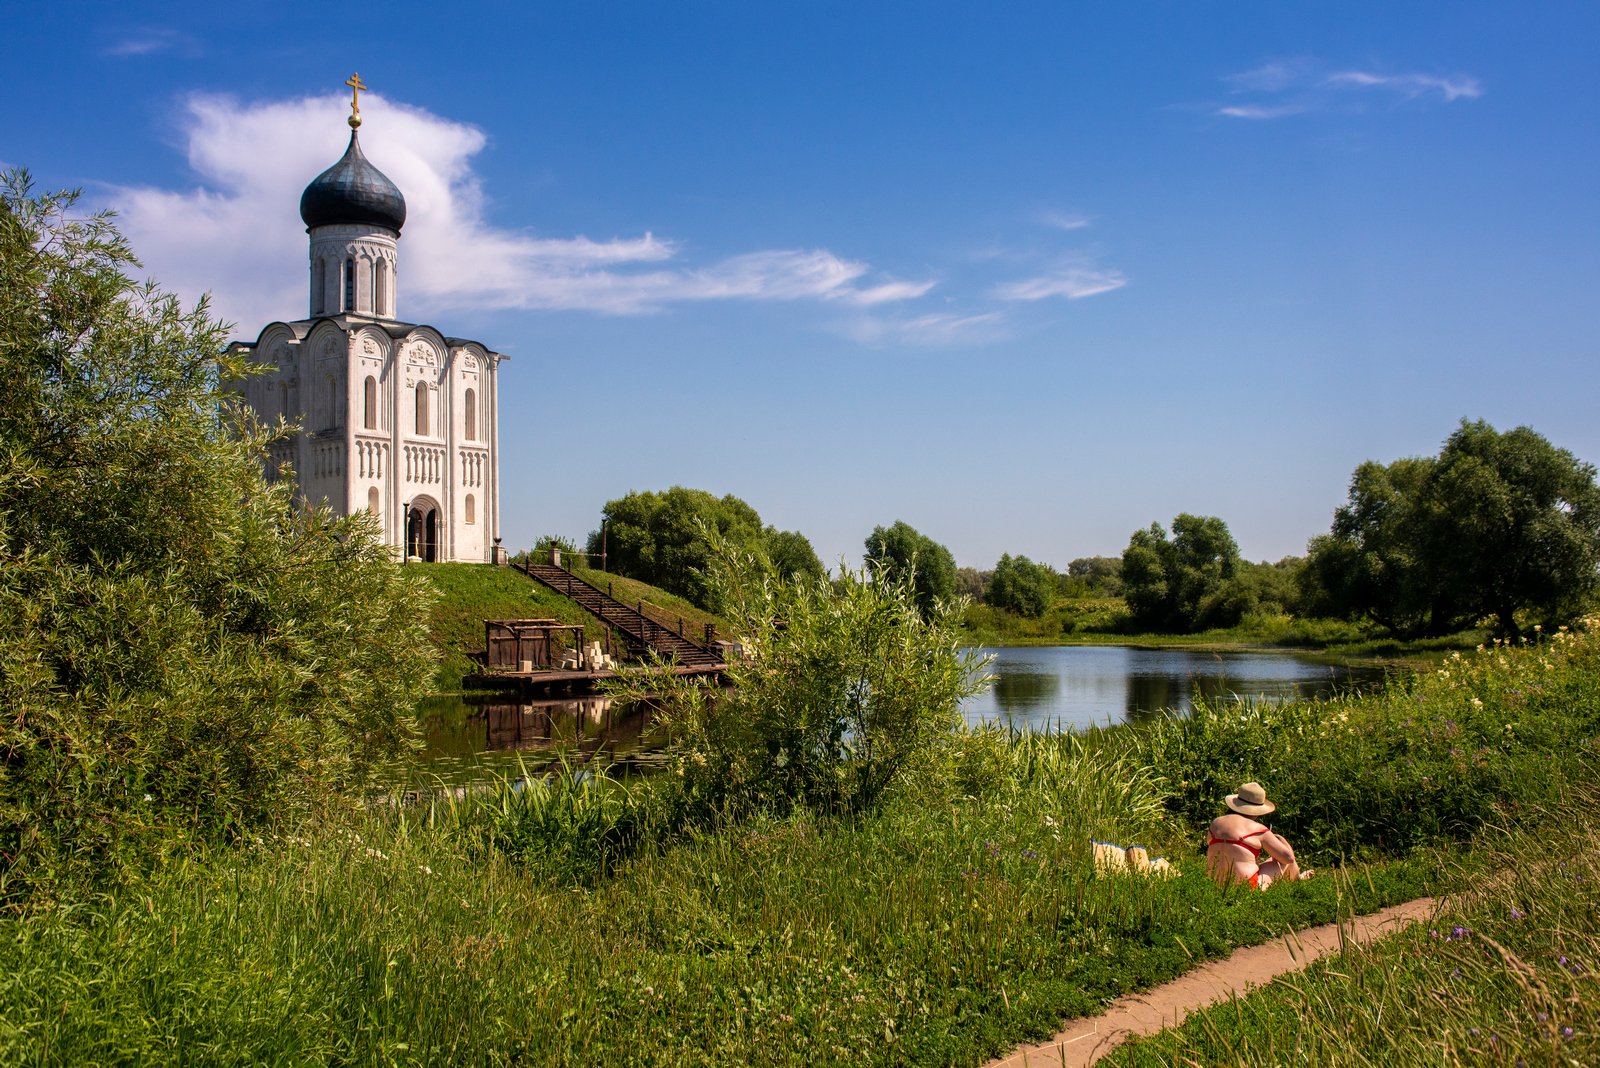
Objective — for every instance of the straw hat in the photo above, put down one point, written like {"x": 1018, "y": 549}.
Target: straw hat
{"x": 1251, "y": 800}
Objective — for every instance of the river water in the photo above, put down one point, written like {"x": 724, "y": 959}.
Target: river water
{"x": 1042, "y": 688}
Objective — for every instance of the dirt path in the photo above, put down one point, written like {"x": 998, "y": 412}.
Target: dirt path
{"x": 1086, "y": 1040}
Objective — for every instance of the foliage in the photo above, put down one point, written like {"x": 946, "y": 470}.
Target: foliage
{"x": 844, "y": 688}
{"x": 937, "y": 930}
{"x": 1099, "y": 576}
{"x": 1497, "y": 524}
{"x": 791, "y": 555}
{"x": 899, "y": 553}
{"x": 1185, "y": 583}
{"x": 972, "y": 583}
{"x": 1485, "y": 737}
{"x": 1019, "y": 585}
{"x": 188, "y": 651}
{"x": 1504, "y": 973}
{"x": 569, "y": 825}
{"x": 660, "y": 538}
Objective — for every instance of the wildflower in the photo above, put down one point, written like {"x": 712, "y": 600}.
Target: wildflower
{"x": 1566, "y": 1032}
{"x": 147, "y": 797}
{"x": 1517, "y": 914}
{"x": 1029, "y": 854}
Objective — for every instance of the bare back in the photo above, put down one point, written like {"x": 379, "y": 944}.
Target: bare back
{"x": 1232, "y": 848}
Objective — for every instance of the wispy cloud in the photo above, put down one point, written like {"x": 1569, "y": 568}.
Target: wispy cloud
{"x": 238, "y": 234}
{"x": 1411, "y": 86}
{"x": 935, "y": 330}
{"x": 1062, "y": 220}
{"x": 151, "y": 41}
{"x": 1288, "y": 87}
{"x": 1073, "y": 283}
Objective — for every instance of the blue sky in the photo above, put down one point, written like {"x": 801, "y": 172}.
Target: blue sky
{"x": 1027, "y": 277}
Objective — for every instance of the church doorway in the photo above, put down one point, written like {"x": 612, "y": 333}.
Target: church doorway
{"x": 422, "y": 531}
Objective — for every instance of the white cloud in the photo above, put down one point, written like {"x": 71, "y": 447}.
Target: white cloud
{"x": 935, "y": 330}
{"x": 1260, "y": 111}
{"x": 1074, "y": 283}
{"x": 1411, "y": 85}
{"x": 1294, "y": 87}
{"x": 150, "y": 41}
{"x": 1065, "y": 221}
{"x": 239, "y": 234}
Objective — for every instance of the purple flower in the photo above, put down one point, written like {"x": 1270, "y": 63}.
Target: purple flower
{"x": 1566, "y": 1032}
{"x": 1030, "y": 854}
{"x": 1516, "y": 913}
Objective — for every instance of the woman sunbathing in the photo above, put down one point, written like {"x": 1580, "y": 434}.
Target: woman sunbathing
{"x": 1235, "y": 839}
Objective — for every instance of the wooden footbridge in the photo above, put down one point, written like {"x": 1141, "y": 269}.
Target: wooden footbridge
{"x": 515, "y": 646}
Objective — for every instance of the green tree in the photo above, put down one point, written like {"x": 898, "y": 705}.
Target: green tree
{"x": 899, "y": 551}
{"x": 1019, "y": 585}
{"x": 660, "y": 538}
{"x": 1095, "y": 575}
{"x": 188, "y": 651}
{"x": 1185, "y": 583}
{"x": 1496, "y": 525}
{"x": 846, "y": 688}
{"x": 791, "y": 554}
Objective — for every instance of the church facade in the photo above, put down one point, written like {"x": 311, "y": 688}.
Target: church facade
{"x": 395, "y": 418}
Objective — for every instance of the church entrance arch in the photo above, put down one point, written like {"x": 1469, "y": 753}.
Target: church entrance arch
{"x": 422, "y": 530}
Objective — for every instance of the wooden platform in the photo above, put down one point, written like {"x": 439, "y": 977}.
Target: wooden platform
{"x": 540, "y": 682}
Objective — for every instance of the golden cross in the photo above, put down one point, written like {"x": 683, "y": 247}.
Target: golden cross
{"x": 356, "y": 85}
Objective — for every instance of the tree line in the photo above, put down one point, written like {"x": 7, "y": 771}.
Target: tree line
{"x": 1501, "y": 527}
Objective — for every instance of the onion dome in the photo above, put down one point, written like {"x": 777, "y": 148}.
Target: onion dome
{"x": 353, "y": 191}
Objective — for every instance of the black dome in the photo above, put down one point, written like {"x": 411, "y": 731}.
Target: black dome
{"x": 353, "y": 191}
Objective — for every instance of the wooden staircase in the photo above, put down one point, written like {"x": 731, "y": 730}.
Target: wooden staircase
{"x": 627, "y": 620}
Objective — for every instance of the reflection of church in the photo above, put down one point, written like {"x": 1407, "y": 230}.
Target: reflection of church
{"x": 395, "y": 418}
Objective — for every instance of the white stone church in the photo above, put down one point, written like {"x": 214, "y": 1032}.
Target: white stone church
{"x": 395, "y": 418}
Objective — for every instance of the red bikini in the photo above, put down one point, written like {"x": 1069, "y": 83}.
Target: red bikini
{"x": 1242, "y": 840}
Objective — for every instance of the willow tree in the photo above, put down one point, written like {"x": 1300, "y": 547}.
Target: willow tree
{"x": 188, "y": 652}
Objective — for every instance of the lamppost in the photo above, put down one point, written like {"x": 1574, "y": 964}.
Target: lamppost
{"x": 405, "y": 532}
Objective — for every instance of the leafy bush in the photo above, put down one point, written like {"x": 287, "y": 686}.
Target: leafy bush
{"x": 571, "y": 825}
{"x": 844, "y": 687}
{"x": 1019, "y": 585}
{"x": 1485, "y": 737}
{"x": 189, "y": 652}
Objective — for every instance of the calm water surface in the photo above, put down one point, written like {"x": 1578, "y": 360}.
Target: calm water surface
{"x": 1046, "y": 688}
{"x": 1037, "y": 689}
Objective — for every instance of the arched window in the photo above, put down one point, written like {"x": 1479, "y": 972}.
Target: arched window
{"x": 331, "y": 406}
{"x": 370, "y": 404}
{"x": 380, "y": 296}
{"x": 283, "y": 399}
{"x": 470, "y": 509}
{"x": 350, "y": 284}
{"x": 471, "y": 407}
{"x": 372, "y": 501}
{"x": 422, "y": 407}
{"x": 372, "y": 286}
{"x": 319, "y": 285}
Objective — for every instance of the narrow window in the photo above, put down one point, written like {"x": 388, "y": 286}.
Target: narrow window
{"x": 472, "y": 415}
{"x": 350, "y": 284}
{"x": 331, "y": 410}
{"x": 372, "y": 287}
{"x": 370, "y": 405}
{"x": 471, "y": 509}
{"x": 283, "y": 399}
{"x": 422, "y": 407}
{"x": 372, "y": 501}
{"x": 319, "y": 285}
{"x": 380, "y": 298}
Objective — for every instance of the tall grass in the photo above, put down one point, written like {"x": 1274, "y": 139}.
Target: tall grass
{"x": 1506, "y": 973}
{"x": 939, "y": 929}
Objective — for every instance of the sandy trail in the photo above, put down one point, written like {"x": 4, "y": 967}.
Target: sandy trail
{"x": 1086, "y": 1040}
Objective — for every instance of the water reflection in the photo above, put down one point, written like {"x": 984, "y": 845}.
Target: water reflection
{"x": 1019, "y": 691}
{"x": 1067, "y": 687}
{"x": 466, "y": 739}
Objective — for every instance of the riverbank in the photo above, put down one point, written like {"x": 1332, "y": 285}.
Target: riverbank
{"x": 575, "y": 922}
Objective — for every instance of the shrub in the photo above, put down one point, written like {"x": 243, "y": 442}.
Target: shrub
{"x": 189, "y": 652}
{"x": 845, "y": 687}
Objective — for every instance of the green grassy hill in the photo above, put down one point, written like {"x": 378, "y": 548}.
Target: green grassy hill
{"x": 472, "y": 593}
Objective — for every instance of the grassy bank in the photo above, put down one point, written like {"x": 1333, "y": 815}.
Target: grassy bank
{"x": 1104, "y": 621}
{"x": 578, "y": 922}
{"x": 468, "y": 594}
{"x": 1508, "y": 972}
